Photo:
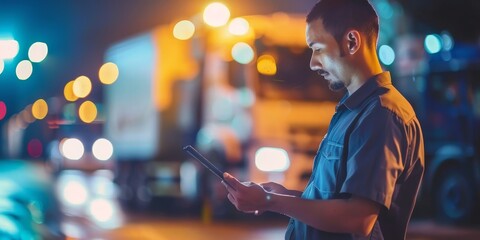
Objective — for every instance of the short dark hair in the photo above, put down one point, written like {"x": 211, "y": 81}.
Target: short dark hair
{"x": 340, "y": 15}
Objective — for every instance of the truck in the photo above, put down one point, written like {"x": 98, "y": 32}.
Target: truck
{"x": 248, "y": 102}
{"x": 445, "y": 92}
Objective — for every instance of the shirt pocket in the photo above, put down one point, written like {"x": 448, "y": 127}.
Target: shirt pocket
{"x": 328, "y": 166}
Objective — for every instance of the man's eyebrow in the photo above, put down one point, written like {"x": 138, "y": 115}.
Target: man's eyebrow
{"x": 310, "y": 45}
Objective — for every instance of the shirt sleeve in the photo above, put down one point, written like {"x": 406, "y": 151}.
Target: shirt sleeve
{"x": 374, "y": 160}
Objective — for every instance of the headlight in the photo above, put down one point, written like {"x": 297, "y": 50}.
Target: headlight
{"x": 270, "y": 159}
{"x": 102, "y": 149}
{"x": 72, "y": 148}
{"x": 74, "y": 192}
{"x": 105, "y": 213}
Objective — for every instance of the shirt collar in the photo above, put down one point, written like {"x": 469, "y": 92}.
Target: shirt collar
{"x": 372, "y": 84}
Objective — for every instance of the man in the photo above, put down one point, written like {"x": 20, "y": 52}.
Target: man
{"x": 369, "y": 166}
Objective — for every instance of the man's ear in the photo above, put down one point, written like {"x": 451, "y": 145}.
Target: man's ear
{"x": 353, "y": 41}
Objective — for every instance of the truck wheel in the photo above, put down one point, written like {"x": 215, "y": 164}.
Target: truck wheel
{"x": 455, "y": 197}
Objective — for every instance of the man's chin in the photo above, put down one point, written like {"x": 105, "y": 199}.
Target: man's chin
{"x": 336, "y": 86}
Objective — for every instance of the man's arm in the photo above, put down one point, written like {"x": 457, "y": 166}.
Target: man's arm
{"x": 355, "y": 215}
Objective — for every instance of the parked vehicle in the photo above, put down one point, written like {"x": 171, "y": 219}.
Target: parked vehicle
{"x": 446, "y": 97}
{"x": 249, "y": 103}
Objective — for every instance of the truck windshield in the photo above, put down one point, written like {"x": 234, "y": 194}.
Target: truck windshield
{"x": 293, "y": 79}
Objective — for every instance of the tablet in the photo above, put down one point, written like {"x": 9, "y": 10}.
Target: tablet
{"x": 195, "y": 154}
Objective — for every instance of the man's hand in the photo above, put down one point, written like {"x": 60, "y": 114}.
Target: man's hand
{"x": 247, "y": 196}
{"x": 273, "y": 187}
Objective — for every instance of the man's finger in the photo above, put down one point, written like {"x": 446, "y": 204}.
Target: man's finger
{"x": 234, "y": 183}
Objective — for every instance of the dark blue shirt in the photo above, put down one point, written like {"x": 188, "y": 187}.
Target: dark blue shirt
{"x": 377, "y": 136}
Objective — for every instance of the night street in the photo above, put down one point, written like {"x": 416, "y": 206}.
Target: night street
{"x": 158, "y": 119}
{"x": 154, "y": 224}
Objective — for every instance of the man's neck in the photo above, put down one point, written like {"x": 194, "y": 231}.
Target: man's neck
{"x": 369, "y": 69}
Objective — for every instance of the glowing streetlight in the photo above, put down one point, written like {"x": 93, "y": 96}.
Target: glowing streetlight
{"x": 238, "y": 26}
{"x": 108, "y": 73}
{"x": 82, "y": 86}
{"x": 216, "y": 14}
{"x": 184, "y": 30}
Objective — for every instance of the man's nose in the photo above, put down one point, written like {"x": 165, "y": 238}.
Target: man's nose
{"x": 315, "y": 64}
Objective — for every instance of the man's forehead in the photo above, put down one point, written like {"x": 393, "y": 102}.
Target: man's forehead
{"x": 314, "y": 33}
{"x": 317, "y": 34}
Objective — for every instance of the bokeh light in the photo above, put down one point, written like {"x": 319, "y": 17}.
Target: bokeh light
{"x": 38, "y": 52}
{"x": 72, "y": 148}
{"x": 270, "y": 159}
{"x": 74, "y": 192}
{"x": 386, "y": 54}
{"x": 87, "y": 112}
{"x": 82, "y": 86}
{"x": 8, "y": 49}
{"x": 448, "y": 41}
{"x": 39, "y": 109}
{"x": 68, "y": 92}
{"x": 242, "y": 53}
{"x": 35, "y": 148}
{"x": 266, "y": 65}
{"x": 101, "y": 209}
{"x": 108, "y": 73}
{"x": 184, "y": 30}
{"x": 102, "y": 149}
{"x": 24, "y": 70}
{"x": 216, "y": 14}
{"x": 3, "y": 110}
{"x": 433, "y": 43}
{"x": 238, "y": 26}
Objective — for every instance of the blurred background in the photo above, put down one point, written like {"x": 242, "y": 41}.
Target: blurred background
{"x": 97, "y": 99}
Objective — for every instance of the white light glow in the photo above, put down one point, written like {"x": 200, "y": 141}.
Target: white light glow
{"x": 102, "y": 149}
{"x": 101, "y": 210}
{"x": 24, "y": 70}
{"x": 216, "y": 14}
{"x": 72, "y": 149}
{"x": 270, "y": 159}
{"x": 38, "y": 52}
{"x": 184, "y": 30}
{"x": 8, "y": 49}
{"x": 238, "y": 26}
{"x": 105, "y": 213}
{"x": 74, "y": 192}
